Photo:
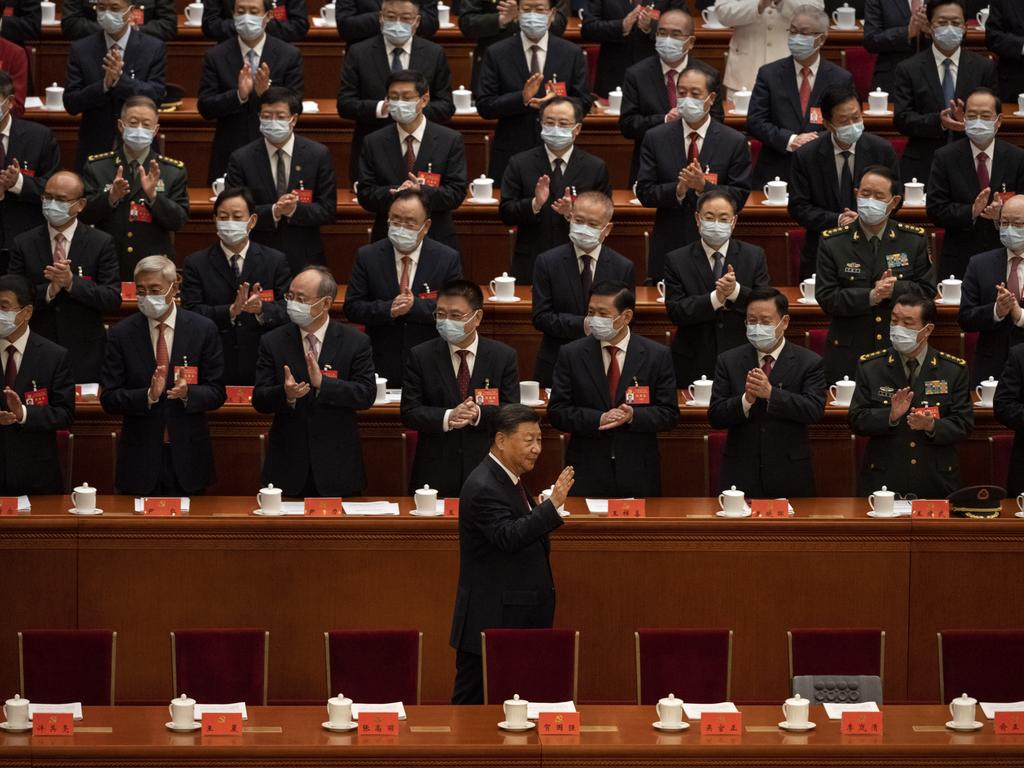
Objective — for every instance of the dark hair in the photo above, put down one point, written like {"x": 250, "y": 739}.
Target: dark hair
{"x": 767, "y": 293}
{"x": 465, "y": 289}
{"x": 833, "y": 97}
{"x": 623, "y": 295}
{"x": 411, "y": 194}
{"x": 886, "y": 173}
{"x": 710, "y": 77}
{"x": 716, "y": 194}
{"x": 510, "y": 416}
{"x": 20, "y": 286}
{"x": 934, "y": 4}
{"x": 408, "y": 76}
{"x": 6, "y": 84}
{"x": 139, "y": 101}
{"x": 577, "y": 112}
{"x": 983, "y": 91}
{"x": 278, "y": 94}
{"x": 232, "y": 192}
{"x": 916, "y": 299}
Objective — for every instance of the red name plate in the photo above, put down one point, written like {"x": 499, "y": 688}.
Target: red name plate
{"x": 1009, "y": 723}
{"x": 429, "y": 179}
{"x": 557, "y": 88}
{"x": 222, "y": 724}
{"x": 769, "y": 508}
{"x": 8, "y": 505}
{"x": 239, "y": 395}
{"x": 558, "y": 724}
{"x": 267, "y": 295}
{"x": 931, "y": 410}
{"x": 861, "y": 724}
{"x": 37, "y": 397}
{"x": 816, "y": 116}
{"x": 627, "y": 508}
{"x": 721, "y": 724}
{"x": 930, "y": 508}
{"x": 451, "y": 507}
{"x": 128, "y": 291}
{"x": 323, "y": 507}
{"x": 55, "y": 724}
{"x": 710, "y": 178}
{"x": 485, "y": 396}
{"x": 189, "y": 373}
{"x": 279, "y": 12}
{"x": 378, "y": 723}
{"x": 161, "y": 507}
{"x": 304, "y": 195}
{"x": 638, "y": 396}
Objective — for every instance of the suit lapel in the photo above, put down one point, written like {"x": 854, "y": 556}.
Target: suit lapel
{"x": 821, "y": 80}
{"x": 636, "y": 356}
{"x": 397, "y": 156}
{"x": 424, "y": 158}
{"x": 827, "y": 158}
{"x": 572, "y": 277}
{"x": 261, "y": 157}
{"x": 179, "y": 349}
{"x": 331, "y": 345}
{"x": 379, "y": 57}
{"x": 251, "y": 266}
{"x": 220, "y": 264}
{"x": 790, "y": 74}
{"x": 782, "y": 365}
{"x": 23, "y": 381}
{"x": 931, "y": 76}
{"x": 996, "y": 161}
{"x": 595, "y": 365}
{"x": 481, "y": 369}
{"x": 144, "y": 344}
{"x": 446, "y": 372}
{"x": 702, "y": 265}
{"x": 969, "y": 169}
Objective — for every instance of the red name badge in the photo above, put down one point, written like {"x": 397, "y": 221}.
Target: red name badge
{"x": 267, "y": 295}
{"x": 1004, "y": 196}
{"x": 327, "y": 373}
{"x": 558, "y": 724}
{"x": 8, "y": 505}
{"x": 304, "y": 195}
{"x": 627, "y": 508}
{"x": 861, "y": 724}
{"x": 9, "y": 11}
{"x": 138, "y": 212}
{"x": 323, "y": 507}
{"x": 638, "y": 395}
{"x": 557, "y": 88}
{"x": 222, "y": 724}
{"x": 37, "y": 397}
{"x": 239, "y": 395}
{"x": 721, "y": 724}
{"x": 378, "y": 723}
{"x": 1009, "y": 723}
{"x": 816, "y": 116}
{"x": 429, "y": 179}
{"x": 161, "y": 507}
{"x": 451, "y": 507}
{"x": 932, "y": 410}
{"x": 26, "y": 171}
{"x": 189, "y": 373}
{"x": 128, "y": 291}
{"x": 485, "y": 396}
{"x": 280, "y": 13}
{"x": 769, "y": 508}
{"x": 428, "y": 295}
{"x": 53, "y": 724}
{"x": 710, "y": 178}
{"x": 653, "y": 13}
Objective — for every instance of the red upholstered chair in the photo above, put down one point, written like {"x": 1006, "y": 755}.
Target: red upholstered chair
{"x": 969, "y": 346}
{"x": 538, "y": 664}
{"x": 755, "y": 151}
{"x": 999, "y": 448}
{"x": 858, "y": 446}
{"x": 375, "y": 666}
{"x": 795, "y": 239}
{"x": 836, "y": 652}
{"x": 815, "y": 340}
{"x": 984, "y": 663}
{"x": 410, "y": 439}
{"x": 899, "y": 145}
{"x": 860, "y": 63}
{"x": 935, "y": 242}
{"x": 590, "y": 56}
{"x": 219, "y": 666}
{"x": 714, "y": 443}
{"x": 59, "y": 665}
{"x": 694, "y": 664}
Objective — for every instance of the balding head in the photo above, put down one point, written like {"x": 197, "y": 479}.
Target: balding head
{"x": 677, "y": 20}
{"x": 65, "y": 185}
{"x": 1013, "y": 212}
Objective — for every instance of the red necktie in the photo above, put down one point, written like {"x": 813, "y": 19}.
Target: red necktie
{"x": 403, "y": 282}
{"x": 670, "y": 87}
{"x": 613, "y": 373}
{"x": 766, "y": 366}
{"x": 693, "y": 156}
{"x": 59, "y": 253}
{"x": 11, "y": 371}
{"x": 525, "y": 495}
{"x": 164, "y": 359}
{"x": 983, "y": 177}
{"x": 1013, "y": 282}
{"x": 463, "y": 377}
{"x": 410, "y": 155}
{"x": 805, "y": 90}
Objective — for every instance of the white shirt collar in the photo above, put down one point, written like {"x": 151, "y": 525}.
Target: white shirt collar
{"x": 988, "y": 150}
{"x": 774, "y": 353}
{"x": 241, "y": 254}
{"x": 511, "y": 475}
{"x": 702, "y": 131}
{"x": 19, "y": 345}
{"x": 68, "y": 233}
{"x": 406, "y": 49}
{"x": 318, "y": 334}
{"x": 415, "y": 256}
{"x": 122, "y": 41}
{"x": 813, "y": 67}
{"x": 454, "y": 350}
{"x": 710, "y": 252}
{"x": 528, "y": 43}
{"x": 594, "y": 254}
{"x": 565, "y": 159}
{"x": 941, "y": 57}
{"x": 666, "y": 68}
{"x": 288, "y": 147}
{"x": 622, "y": 345}
{"x": 246, "y": 48}
{"x": 417, "y": 134}
{"x": 169, "y": 322}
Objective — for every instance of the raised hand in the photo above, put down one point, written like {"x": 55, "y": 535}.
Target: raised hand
{"x": 157, "y": 383}
{"x": 560, "y": 490}
{"x": 293, "y": 390}
{"x": 119, "y": 187}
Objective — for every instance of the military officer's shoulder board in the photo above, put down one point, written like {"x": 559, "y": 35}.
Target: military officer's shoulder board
{"x": 910, "y": 228}
{"x": 101, "y": 156}
{"x": 873, "y": 355}
{"x": 952, "y": 358}
{"x": 835, "y": 231}
{"x": 170, "y": 161}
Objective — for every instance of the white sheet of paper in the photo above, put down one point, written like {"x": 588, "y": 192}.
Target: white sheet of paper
{"x": 221, "y": 709}
{"x": 75, "y": 708}
{"x": 310, "y": 106}
{"x": 694, "y": 711}
{"x": 392, "y": 395}
{"x": 835, "y": 711}
{"x": 370, "y": 507}
{"x": 293, "y": 507}
{"x": 597, "y": 506}
{"x": 184, "y": 504}
{"x": 24, "y": 504}
{"x": 534, "y": 708}
{"x": 396, "y": 706}
{"x": 748, "y": 508}
{"x": 90, "y": 390}
{"x": 991, "y": 707}
{"x": 33, "y": 102}
{"x": 904, "y": 508}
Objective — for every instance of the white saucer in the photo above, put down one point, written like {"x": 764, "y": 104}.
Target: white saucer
{"x": 506, "y": 727}
{"x": 447, "y": 25}
{"x": 884, "y": 516}
{"x": 805, "y": 727}
{"x": 837, "y": 404}
{"x": 385, "y": 401}
{"x": 11, "y": 729}
{"x": 733, "y": 516}
{"x": 187, "y": 729}
{"x": 634, "y": 201}
{"x": 481, "y": 200}
{"x": 775, "y": 205}
{"x": 340, "y": 728}
{"x": 662, "y": 727}
{"x": 417, "y": 513}
{"x": 499, "y": 300}
{"x": 1018, "y": 114}
{"x": 660, "y": 299}
{"x": 52, "y": 109}
{"x": 531, "y": 403}
{"x": 873, "y": 113}
{"x": 55, "y": 23}
{"x": 836, "y": 28}
{"x": 90, "y": 513}
{"x": 612, "y": 112}
{"x": 693, "y": 404}
{"x": 976, "y": 726}
{"x": 263, "y": 513}
{"x": 737, "y": 113}
{"x": 470, "y": 111}
{"x": 805, "y": 300}
{"x": 1018, "y": 514}
{"x": 982, "y": 405}
{"x": 922, "y": 204}
{"x": 188, "y": 23}
{"x": 948, "y": 303}
{"x": 715, "y": 26}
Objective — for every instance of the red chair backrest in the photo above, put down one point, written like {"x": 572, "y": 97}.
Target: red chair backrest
{"x": 984, "y": 663}
{"x": 218, "y": 666}
{"x": 837, "y": 651}
{"x": 591, "y": 52}
{"x": 755, "y": 150}
{"x": 970, "y": 346}
{"x": 861, "y": 64}
{"x": 899, "y": 145}
{"x": 816, "y": 338}
{"x": 68, "y": 665}
{"x": 714, "y": 443}
{"x": 538, "y": 664}
{"x": 375, "y": 666}
{"x": 694, "y": 664}
{"x": 795, "y": 239}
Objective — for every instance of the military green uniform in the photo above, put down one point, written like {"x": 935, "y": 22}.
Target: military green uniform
{"x": 907, "y": 460}
{"x": 139, "y": 228}
{"x": 849, "y": 265}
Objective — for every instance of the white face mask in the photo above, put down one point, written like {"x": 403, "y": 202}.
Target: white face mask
{"x": 300, "y": 313}
{"x": 603, "y": 328}
{"x": 8, "y": 322}
{"x": 762, "y": 337}
{"x": 154, "y": 307}
{"x": 232, "y": 232}
{"x": 904, "y": 340}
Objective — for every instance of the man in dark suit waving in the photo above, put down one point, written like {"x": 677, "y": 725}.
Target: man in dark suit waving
{"x": 452, "y": 390}
{"x": 313, "y": 375}
{"x": 614, "y": 391}
{"x": 163, "y": 372}
{"x": 504, "y": 573}
{"x": 291, "y": 179}
{"x": 394, "y": 284}
{"x": 238, "y": 284}
{"x": 35, "y": 367}
{"x": 289, "y": 20}
{"x": 766, "y": 393}
{"x": 894, "y": 32}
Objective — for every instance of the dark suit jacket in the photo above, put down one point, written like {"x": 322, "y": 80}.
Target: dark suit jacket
{"x": 445, "y": 459}
{"x": 917, "y": 99}
{"x": 374, "y": 285}
{"x": 312, "y": 168}
{"x": 662, "y": 156}
{"x": 702, "y": 332}
{"x": 239, "y": 124}
{"x": 318, "y": 437}
{"x": 559, "y": 305}
{"x": 1004, "y": 36}
{"x": 977, "y": 298}
{"x": 504, "y": 575}
{"x": 78, "y": 18}
{"x": 363, "y": 78}
{"x": 547, "y": 229}
{"x": 29, "y": 463}
{"x": 774, "y": 115}
{"x": 885, "y": 34}
{"x": 1008, "y": 409}
{"x": 500, "y": 93}
{"x": 624, "y": 461}
{"x": 124, "y": 385}
{"x": 952, "y": 189}
{"x": 25, "y": 22}
{"x": 602, "y": 23}
{"x": 645, "y": 101}
{"x": 382, "y": 168}
{"x": 145, "y": 61}
{"x": 35, "y": 148}
{"x": 209, "y": 286}
{"x": 73, "y": 320}
{"x": 767, "y": 453}
{"x": 814, "y": 186}
{"x": 219, "y": 24}
{"x": 360, "y": 19}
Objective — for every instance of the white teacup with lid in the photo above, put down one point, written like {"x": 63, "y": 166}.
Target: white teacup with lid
{"x": 711, "y": 18}
{"x": 878, "y": 100}
{"x": 883, "y": 502}
{"x": 54, "y": 97}
{"x": 16, "y": 713}
{"x": 949, "y": 290}
{"x": 807, "y": 288}
{"x": 183, "y": 713}
{"x": 339, "y": 712}
{"x": 795, "y": 712}
{"x": 503, "y": 287}
{"x": 986, "y": 392}
{"x": 482, "y": 189}
{"x": 194, "y": 14}
{"x": 845, "y": 17}
{"x": 463, "y": 97}
{"x": 444, "y": 14}
{"x": 913, "y": 192}
{"x": 49, "y": 12}
{"x": 328, "y": 12}
{"x": 615, "y": 100}
{"x": 84, "y": 499}
{"x": 516, "y": 712}
{"x": 426, "y": 500}
{"x": 700, "y": 390}
{"x": 670, "y": 712}
{"x": 963, "y": 709}
{"x": 731, "y": 502}
{"x": 269, "y": 499}
{"x": 842, "y": 391}
{"x": 775, "y": 191}
{"x": 741, "y": 100}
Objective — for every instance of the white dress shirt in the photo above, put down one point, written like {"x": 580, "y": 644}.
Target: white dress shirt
{"x": 417, "y": 137}
{"x": 453, "y": 352}
{"x": 954, "y": 67}
{"x": 622, "y": 346}
{"x": 319, "y": 335}
{"x": 511, "y": 475}
{"x": 775, "y": 353}
{"x": 542, "y": 53}
{"x": 121, "y": 42}
{"x": 415, "y": 256}
{"x": 19, "y": 355}
{"x": 229, "y": 254}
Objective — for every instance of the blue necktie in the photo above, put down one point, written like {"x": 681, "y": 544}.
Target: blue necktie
{"x": 948, "y": 86}
{"x": 396, "y": 60}
{"x": 254, "y": 63}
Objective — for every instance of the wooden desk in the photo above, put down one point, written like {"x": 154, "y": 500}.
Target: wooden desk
{"x": 468, "y": 736}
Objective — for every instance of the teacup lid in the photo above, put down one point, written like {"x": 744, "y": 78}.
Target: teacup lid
{"x": 483, "y": 178}
{"x": 426, "y": 490}
{"x": 340, "y": 700}
{"x": 776, "y": 183}
{"x": 951, "y": 280}
{"x": 733, "y": 492}
{"x": 671, "y": 701}
{"x": 84, "y": 487}
{"x": 989, "y": 382}
{"x": 846, "y": 380}
{"x": 270, "y": 489}
{"x": 515, "y": 699}
{"x": 796, "y": 700}
{"x": 17, "y": 701}
{"x": 184, "y": 699}
{"x": 703, "y": 379}
{"x": 618, "y": 89}
{"x": 55, "y": 86}
{"x": 884, "y": 489}
{"x": 504, "y": 276}
{"x": 914, "y": 183}
{"x": 963, "y": 698}
{"x": 464, "y": 89}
